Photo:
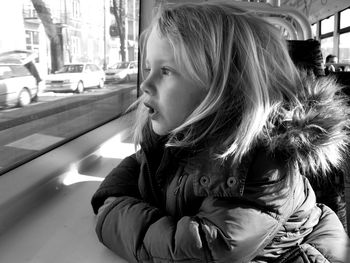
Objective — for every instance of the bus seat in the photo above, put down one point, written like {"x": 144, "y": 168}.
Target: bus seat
{"x": 307, "y": 55}
{"x": 343, "y": 78}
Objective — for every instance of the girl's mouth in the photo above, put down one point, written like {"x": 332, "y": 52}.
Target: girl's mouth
{"x": 151, "y": 111}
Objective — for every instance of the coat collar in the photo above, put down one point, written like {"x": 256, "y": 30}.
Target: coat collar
{"x": 314, "y": 134}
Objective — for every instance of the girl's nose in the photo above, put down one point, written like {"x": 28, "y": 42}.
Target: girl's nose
{"x": 147, "y": 86}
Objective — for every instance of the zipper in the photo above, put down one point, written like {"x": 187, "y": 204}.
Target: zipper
{"x": 178, "y": 195}
{"x": 153, "y": 189}
{"x": 178, "y": 184}
{"x": 207, "y": 254}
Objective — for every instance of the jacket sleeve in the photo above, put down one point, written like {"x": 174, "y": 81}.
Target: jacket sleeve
{"x": 222, "y": 231}
{"x": 122, "y": 180}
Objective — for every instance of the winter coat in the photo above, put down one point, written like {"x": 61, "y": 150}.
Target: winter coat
{"x": 186, "y": 205}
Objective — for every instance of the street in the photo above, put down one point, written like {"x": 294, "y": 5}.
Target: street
{"x": 44, "y": 97}
{"x": 57, "y": 117}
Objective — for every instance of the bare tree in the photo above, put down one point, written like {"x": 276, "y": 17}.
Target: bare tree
{"x": 53, "y": 32}
{"x": 118, "y": 11}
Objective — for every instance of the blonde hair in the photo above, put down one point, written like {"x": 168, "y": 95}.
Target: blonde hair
{"x": 240, "y": 59}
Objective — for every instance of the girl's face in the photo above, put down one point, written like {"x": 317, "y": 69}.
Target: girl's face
{"x": 169, "y": 96}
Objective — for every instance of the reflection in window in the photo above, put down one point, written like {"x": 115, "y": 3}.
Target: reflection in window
{"x": 327, "y": 46}
{"x": 345, "y": 18}
{"x": 344, "y": 48}
{"x": 327, "y": 25}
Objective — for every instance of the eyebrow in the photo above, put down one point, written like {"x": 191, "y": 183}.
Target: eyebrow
{"x": 161, "y": 60}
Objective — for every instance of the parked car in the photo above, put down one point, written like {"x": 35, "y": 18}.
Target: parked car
{"x": 122, "y": 72}
{"x": 75, "y": 78}
{"x": 19, "y": 78}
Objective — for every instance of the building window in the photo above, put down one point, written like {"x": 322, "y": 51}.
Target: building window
{"x": 32, "y": 37}
{"x": 32, "y": 42}
{"x": 131, "y": 9}
{"x": 75, "y": 48}
{"x": 76, "y": 9}
{"x": 29, "y": 11}
{"x": 131, "y": 33}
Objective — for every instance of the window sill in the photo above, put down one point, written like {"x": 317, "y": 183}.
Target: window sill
{"x": 41, "y": 211}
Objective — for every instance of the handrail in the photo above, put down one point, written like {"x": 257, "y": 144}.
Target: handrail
{"x": 282, "y": 22}
{"x": 267, "y": 9}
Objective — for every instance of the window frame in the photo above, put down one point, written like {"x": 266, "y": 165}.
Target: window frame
{"x": 336, "y": 33}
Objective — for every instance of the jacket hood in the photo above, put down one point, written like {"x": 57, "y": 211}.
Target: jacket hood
{"x": 314, "y": 134}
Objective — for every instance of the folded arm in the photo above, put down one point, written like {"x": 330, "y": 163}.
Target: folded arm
{"x": 222, "y": 231}
{"x": 122, "y": 180}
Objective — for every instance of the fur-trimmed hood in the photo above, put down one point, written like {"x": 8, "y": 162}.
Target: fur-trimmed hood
{"x": 314, "y": 134}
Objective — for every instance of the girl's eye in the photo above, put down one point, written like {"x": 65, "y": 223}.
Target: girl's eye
{"x": 146, "y": 71}
{"x": 165, "y": 71}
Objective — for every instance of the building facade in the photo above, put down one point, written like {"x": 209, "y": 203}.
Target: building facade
{"x": 83, "y": 26}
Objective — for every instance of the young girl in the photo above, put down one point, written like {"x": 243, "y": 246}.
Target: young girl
{"x": 228, "y": 135}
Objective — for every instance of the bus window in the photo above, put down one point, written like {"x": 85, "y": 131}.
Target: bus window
{"x": 344, "y": 37}
{"x": 314, "y": 30}
{"x": 63, "y": 105}
{"x": 327, "y": 46}
{"x": 327, "y": 25}
{"x": 344, "y": 48}
{"x": 345, "y": 18}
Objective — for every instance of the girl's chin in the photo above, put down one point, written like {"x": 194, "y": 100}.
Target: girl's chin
{"x": 159, "y": 129}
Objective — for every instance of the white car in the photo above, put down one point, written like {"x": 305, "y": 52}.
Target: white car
{"x": 122, "y": 72}
{"x": 17, "y": 85}
{"x": 19, "y": 78}
{"x": 75, "y": 78}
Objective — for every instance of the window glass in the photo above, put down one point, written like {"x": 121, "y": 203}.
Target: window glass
{"x": 5, "y": 71}
{"x": 314, "y": 30}
{"x": 19, "y": 70}
{"x": 345, "y": 18}
{"x": 327, "y": 46}
{"x": 327, "y": 25}
{"x": 93, "y": 67}
{"x": 66, "y": 102}
{"x": 28, "y": 37}
{"x": 130, "y": 29}
{"x": 344, "y": 48}
{"x": 76, "y": 9}
{"x": 35, "y": 38}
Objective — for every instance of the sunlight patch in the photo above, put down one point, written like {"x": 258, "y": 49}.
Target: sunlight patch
{"x": 35, "y": 142}
{"x": 72, "y": 176}
{"x": 116, "y": 148}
